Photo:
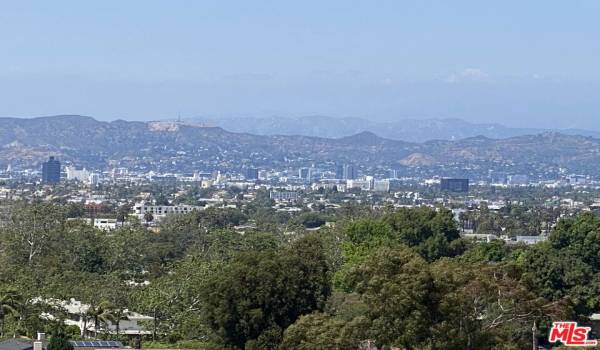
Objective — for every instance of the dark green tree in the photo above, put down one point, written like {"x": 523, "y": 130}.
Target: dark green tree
{"x": 10, "y": 304}
{"x": 260, "y": 294}
{"x": 148, "y": 217}
{"x": 59, "y": 341}
{"x": 320, "y": 331}
{"x": 398, "y": 289}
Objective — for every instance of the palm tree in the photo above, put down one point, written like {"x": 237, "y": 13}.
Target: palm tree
{"x": 119, "y": 315}
{"x": 10, "y": 303}
{"x": 100, "y": 313}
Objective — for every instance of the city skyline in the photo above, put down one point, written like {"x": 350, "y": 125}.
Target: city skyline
{"x": 299, "y": 175}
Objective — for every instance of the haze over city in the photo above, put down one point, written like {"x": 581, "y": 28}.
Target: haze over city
{"x": 309, "y": 175}
{"x": 521, "y": 64}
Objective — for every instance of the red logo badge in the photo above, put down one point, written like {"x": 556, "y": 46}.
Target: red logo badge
{"x": 570, "y": 334}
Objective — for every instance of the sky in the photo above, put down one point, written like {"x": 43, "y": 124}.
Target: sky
{"x": 518, "y": 63}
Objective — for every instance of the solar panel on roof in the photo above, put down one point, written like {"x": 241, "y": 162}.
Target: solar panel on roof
{"x": 96, "y": 344}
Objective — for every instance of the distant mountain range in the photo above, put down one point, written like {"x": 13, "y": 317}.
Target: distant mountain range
{"x": 412, "y": 130}
{"x": 172, "y": 146}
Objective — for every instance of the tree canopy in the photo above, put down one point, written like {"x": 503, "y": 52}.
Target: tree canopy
{"x": 392, "y": 278}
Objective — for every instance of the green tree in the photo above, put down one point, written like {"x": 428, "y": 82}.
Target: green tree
{"x": 148, "y": 217}
{"x": 580, "y": 236}
{"x": 174, "y": 299}
{"x": 311, "y": 220}
{"x": 567, "y": 266}
{"x": 320, "y": 331}
{"x": 429, "y": 231}
{"x": 396, "y": 285}
{"x": 100, "y": 313}
{"x": 59, "y": 341}
{"x": 260, "y": 294}
{"x": 495, "y": 251}
{"x": 32, "y": 228}
{"x": 485, "y": 306}
{"x": 10, "y": 304}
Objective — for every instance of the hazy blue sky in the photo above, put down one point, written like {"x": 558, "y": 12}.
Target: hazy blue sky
{"x": 522, "y": 63}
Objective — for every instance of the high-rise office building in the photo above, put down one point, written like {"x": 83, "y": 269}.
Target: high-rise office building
{"x": 251, "y": 173}
{"x": 455, "y": 185}
{"x": 339, "y": 171}
{"x": 94, "y": 179}
{"x": 350, "y": 172}
{"x": 303, "y": 173}
{"x": 51, "y": 171}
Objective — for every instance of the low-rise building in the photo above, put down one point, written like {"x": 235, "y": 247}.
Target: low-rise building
{"x": 480, "y": 237}
{"x": 160, "y": 211}
{"x": 381, "y": 185}
{"x": 531, "y": 239}
{"x": 284, "y": 196}
{"x": 106, "y": 224}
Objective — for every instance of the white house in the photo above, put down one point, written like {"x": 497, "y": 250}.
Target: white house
{"x": 160, "y": 211}
{"x": 106, "y": 224}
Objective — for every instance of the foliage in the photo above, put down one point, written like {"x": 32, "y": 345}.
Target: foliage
{"x": 10, "y": 304}
{"x": 319, "y": 331}
{"x": 397, "y": 286}
{"x": 567, "y": 266}
{"x": 311, "y": 220}
{"x": 431, "y": 233}
{"x": 258, "y": 295}
{"x": 400, "y": 278}
{"x": 59, "y": 341}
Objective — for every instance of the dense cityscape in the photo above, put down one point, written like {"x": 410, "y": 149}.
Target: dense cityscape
{"x": 144, "y": 233}
{"x": 314, "y": 175}
{"x": 112, "y": 197}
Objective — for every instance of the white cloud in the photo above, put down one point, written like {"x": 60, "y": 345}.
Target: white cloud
{"x": 468, "y": 74}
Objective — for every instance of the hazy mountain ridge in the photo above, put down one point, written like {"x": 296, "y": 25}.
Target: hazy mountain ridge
{"x": 85, "y": 140}
{"x": 413, "y": 130}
